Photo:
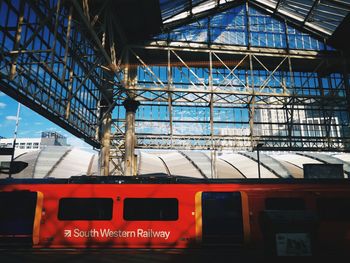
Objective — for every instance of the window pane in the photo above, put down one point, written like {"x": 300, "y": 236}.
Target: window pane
{"x": 85, "y": 209}
{"x": 335, "y": 208}
{"x": 151, "y": 209}
{"x": 17, "y": 211}
{"x": 284, "y": 203}
{"x": 222, "y": 217}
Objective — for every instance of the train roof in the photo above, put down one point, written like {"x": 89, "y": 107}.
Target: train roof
{"x": 163, "y": 179}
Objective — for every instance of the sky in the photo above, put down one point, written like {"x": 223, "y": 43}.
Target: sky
{"x": 31, "y": 124}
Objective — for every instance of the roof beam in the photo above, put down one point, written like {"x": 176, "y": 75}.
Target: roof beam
{"x": 112, "y": 67}
{"x": 297, "y": 23}
{"x": 188, "y": 19}
{"x": 316, "y": 2}
{"x": 339, "y": 3}
{"x": 91, "y": 31}
{"x": 278, "y": 5}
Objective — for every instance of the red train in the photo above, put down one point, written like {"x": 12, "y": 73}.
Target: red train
{"x": 280, "y": 217}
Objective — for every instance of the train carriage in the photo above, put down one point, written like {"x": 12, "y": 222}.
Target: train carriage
{"x": 279, "y": 217}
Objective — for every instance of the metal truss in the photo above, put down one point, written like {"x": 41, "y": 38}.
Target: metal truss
{"x": 51, "y": 63}
{"x": 209, "y": 98}
{"x": 71, "y": 62}
{"x": 236, "y": 143}
{"x": 318, "y": 17}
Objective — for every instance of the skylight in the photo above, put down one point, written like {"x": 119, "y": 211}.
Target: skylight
{"x": 319, "y": 16}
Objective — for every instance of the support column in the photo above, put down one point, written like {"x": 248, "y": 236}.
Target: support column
{"x": 290, "y": 111}
{"x": 251, "y": 103}
{"x": 130, "y": 163}
{"x": 106, "y": 122}
{"x": 211, "y": 104}
{"x": 345, "y": 131}
{"x": 346, "y": 83}
{"x": 105, "y": 145}
{"x": 170, "y": 98}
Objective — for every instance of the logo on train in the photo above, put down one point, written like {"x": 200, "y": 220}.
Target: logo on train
{"x": 109, "y": 233}
{"x": 67, "y": 233}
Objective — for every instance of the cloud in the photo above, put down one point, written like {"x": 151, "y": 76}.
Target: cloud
{"x": 25, "y": 132}
{"x": 79, "y": 143}
{"x": 73, "y": 141}
{"x": 2, "y": 105}
{"x": 11, "y": 118}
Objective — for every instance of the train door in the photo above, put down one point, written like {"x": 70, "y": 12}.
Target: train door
{"x": 222, "y": 219}
{"x": 20, "y": 215}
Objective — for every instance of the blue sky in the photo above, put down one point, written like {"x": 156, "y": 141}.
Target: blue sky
{"x": 31, "y": 124}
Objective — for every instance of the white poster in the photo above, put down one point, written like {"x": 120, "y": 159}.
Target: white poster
{"x": 293, "y": 244}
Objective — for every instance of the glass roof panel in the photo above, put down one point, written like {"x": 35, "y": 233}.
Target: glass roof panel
{"x": 320, "y": 16}
{"x": 170, "y": 8}
{"x": 229, "y": 27}
{"x": 173, "y": 10}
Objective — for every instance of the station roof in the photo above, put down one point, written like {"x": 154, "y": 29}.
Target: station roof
{"x": 65, "y": 162}
{"x": 141, "y": 19}
{"x": 198, "y": 164}
{"x": 51, "y": 162}
{"x": 321, "y": 17}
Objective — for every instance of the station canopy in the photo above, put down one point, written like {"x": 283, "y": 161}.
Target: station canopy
{"x": 65, "y": 162}
{"x": 141, "y": 19}
{"x": 321, "y": 17}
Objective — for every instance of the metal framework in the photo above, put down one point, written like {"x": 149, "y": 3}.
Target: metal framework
{"x": 235, "y": 78}
{"x": 240, "y": 86}
{"x": 319, "y": 17}
{"x": 235, "y": 99}
{"x": 54, "y": 61}
{"x": 49, "y": 64}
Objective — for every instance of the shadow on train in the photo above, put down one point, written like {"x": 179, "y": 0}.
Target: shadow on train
{"x": 139, "y": 220}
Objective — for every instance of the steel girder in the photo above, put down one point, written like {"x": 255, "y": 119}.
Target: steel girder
{"x": 239, "y": 81}
{"x": 62, "y": 60}
{"x": 49, "y": 64}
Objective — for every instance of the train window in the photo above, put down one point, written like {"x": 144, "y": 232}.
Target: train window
{"x": 17, "y": 211}
{"x": 151, "y": 209}
{"x": 85, "y": 209}
{"x": 284, "y": 203}
{"x": 222, "y": 218}
{"x": 334, "y": 208}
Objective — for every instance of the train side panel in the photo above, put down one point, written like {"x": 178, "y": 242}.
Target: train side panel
{"x": 279, "y": 218}
{"x": 140, "y": 226}
{"x": 169, "y": 218}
